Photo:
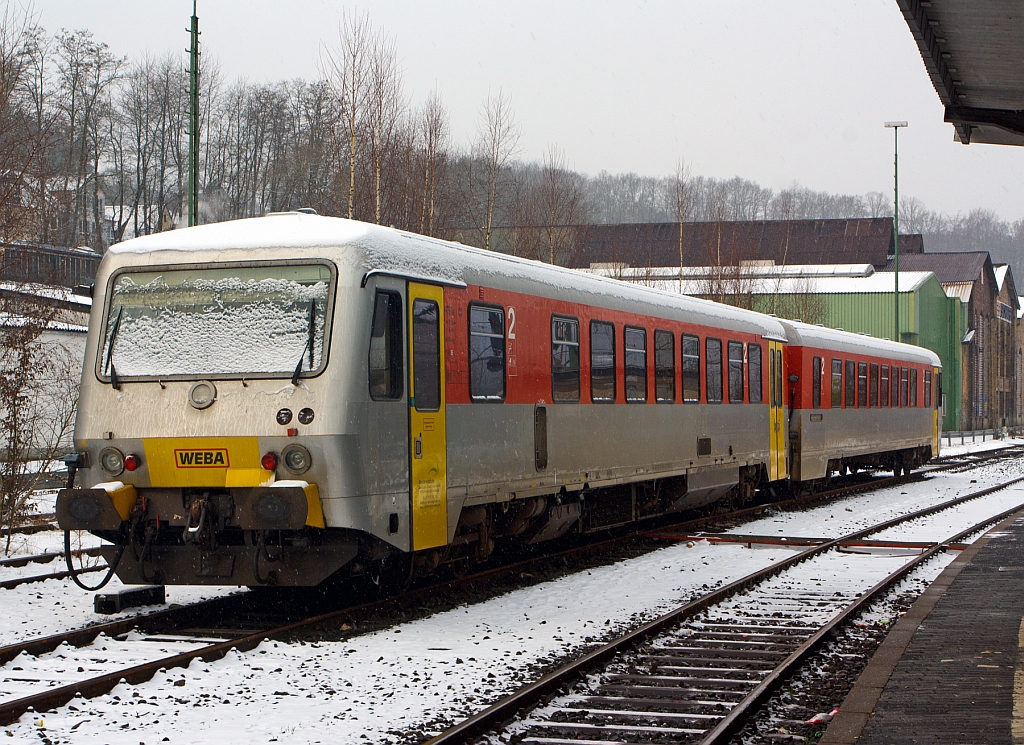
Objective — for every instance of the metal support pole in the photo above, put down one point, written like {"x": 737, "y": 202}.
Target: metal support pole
{"x": 895, "y": 126}
{"x": 193, "y": 120}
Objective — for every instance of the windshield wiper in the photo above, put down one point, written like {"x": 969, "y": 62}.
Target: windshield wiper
{"x": 310, "y": 338}
{"x": 109, "y": 365}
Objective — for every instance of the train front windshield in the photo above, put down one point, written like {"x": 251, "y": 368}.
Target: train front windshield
{"x": 262, "y": 321}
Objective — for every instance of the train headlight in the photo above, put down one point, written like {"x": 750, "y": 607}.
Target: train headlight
{"x": 297, "y": 459}
{"x": 112, "y": 461}
{"x": 202, "y": 394}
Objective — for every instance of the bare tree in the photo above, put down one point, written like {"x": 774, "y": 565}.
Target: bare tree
{"x": 38, "y": 394}
{"x": 496, "y": 144}
{"x": 24, "y": 123}
{"x": 682, "y": 203}
{"x": 561, "y": 199}
{"x": 434, "y": 136}
{"x": 349, "y": 68}
{"x": 385, "y": 108}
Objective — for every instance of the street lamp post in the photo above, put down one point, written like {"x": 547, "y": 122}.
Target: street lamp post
{"x": 895, "y": 126}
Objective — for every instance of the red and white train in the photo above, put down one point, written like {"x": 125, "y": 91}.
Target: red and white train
{"x": 280, "y": 399}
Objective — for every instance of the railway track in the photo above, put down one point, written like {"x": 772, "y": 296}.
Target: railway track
{"x": 177, "y": 627}
{"x": 697, "y": 673}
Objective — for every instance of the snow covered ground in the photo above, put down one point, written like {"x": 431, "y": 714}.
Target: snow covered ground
{"x": 955, "y": 448}
{"x": 419, "y": 676}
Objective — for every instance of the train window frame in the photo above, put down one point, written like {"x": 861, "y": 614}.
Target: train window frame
{"x": 736, "y": 379}
{"x": 894, "y": 386}
{"x": 628, "y": 353}
{"x": 664, "y": 374}
{"x": 873, "y": 386}
{"x": 837, "y": 383}
{"x": 850, "y": 389}
{"x": 717, "y": 366}
{"x": 927, "y": 389}
{"x": 418, "y": 366}
{"x": 816, "y": 369}
{"x": 692, "y": 376}
{"x": 394, "y": 347}
{"x": 913, "y": 387}
{"x": 755, "y": 380}
{"x": 883, "y": 388}
{"x": 904, "y": 387}
{"x": 474, "y": 397}
{"x": 329, "y": 307}
{"x": 568, "y": 343}
{"x": 862, "y": 385}
{"x": 614, "y": 376}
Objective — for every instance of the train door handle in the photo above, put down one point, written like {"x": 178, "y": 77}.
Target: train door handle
{"x": 417, "y": 447}
{"x": 777, "y": 425}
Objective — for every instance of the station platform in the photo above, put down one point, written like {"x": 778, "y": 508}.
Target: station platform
{"x": 950, "y": 671}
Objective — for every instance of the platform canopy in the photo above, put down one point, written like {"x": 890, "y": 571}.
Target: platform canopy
{"x": 974, "y": 52}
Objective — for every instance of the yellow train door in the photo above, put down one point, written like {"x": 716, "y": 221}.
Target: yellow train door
{"x": 428, "y": 442}
{"x": 776, "y": 413}
{"x": 936, "y": 403}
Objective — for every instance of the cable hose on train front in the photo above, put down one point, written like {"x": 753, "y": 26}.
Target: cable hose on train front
{"x": 74, "y": 572}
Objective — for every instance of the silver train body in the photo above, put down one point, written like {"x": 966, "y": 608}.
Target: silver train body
{"x": 283, "y": 399}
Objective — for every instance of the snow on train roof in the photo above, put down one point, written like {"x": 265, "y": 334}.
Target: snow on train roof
{"x": 399, "y": 252}
{"x": 845, "y": 341}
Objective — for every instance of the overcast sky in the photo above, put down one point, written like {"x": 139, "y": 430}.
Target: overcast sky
{"x": 780, "y": 92}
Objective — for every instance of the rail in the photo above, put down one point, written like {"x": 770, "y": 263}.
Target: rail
{"x": 532, "y": 694}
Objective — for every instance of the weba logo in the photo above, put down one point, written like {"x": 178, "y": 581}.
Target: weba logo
{"x": 212, "y": 458}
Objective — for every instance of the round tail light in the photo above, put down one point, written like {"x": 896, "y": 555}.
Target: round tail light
{"x": 131, "y": 462}
{"x": 269, "y": 462}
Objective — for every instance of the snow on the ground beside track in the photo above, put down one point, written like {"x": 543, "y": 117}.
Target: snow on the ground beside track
{"x": 955, "y": 448}
{"x": 53, "y": 606}
{"x": 443, "y": 666}
{"x": 433, "y": 671}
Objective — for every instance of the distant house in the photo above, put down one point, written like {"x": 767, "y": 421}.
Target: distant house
{"x": 990, "y": 304}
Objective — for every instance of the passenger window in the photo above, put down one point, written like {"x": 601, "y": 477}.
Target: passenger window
{"x": 927, "y": 389}
{"x": 862, "y": 385}
{"x": 874, "y": 385}
{"x": 904, "y": 386}
{"x": 816, "y": 382}
{"x": 664, "y": 367}
{"x": 602, "y": 362}
{"x": 426, "y": 355}
{"x": 691, "y": 369}
{"x": 385, "y": 360}
{"x": 894, "y": 387}
{"x": 754, "y": 373}
{"x": 714, "y": 371}
{"x": 635, "y": 341}
{"x": 851, "y": 384}
{"x": 913, "y": 387}
{"x": 884, "y": 389}
{"x": 486, "y": 353}
{"x": 778, "y": 378}
{"x": 837, "y": 384}
{"x": 735, "y": 372}
{"x": 565, "y": 360}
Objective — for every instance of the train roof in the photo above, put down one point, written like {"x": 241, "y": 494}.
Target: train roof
{"x": 384, "y": 250}
{"x": 805, "y": 334}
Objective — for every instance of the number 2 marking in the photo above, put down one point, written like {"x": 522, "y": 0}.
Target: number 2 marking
{"x": 511, "y": 323}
